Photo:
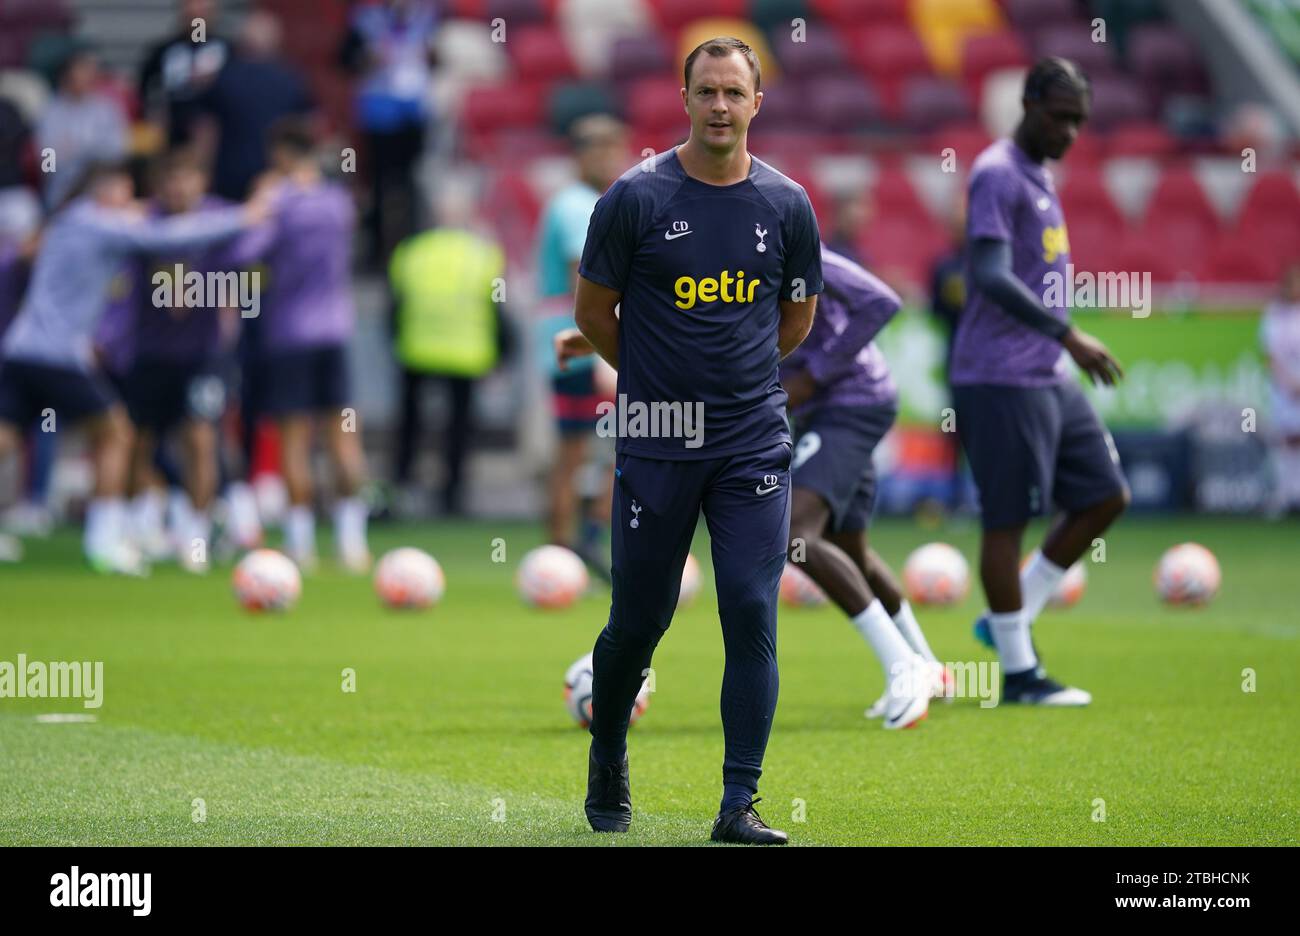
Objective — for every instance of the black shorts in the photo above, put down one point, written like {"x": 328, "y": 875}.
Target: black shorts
{"x": 1031, "y": 447}
{"x": 29, "y": 389}
{"x": 832, "y": 456}
{"x": 305, "y": 380}
{"x": 162, "y": 393}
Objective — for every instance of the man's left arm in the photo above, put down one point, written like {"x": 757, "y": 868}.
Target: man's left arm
{"x": 802, "y": 280}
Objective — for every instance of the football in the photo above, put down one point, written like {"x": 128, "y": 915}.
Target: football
{"x": 798, "y": 590}
{"x": 577, "y": 694}
{"x": 936, "y": 574}
{"x": 1187, "y": 574}
{"x": 1070, "y": 589}
{"x": 409, "y": 578}
{"x": 551, "y": 577}
{"x": 266, "y": 580}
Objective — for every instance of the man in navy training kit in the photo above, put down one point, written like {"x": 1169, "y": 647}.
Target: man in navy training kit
{"x": 843, "y": 401}
{"x": 1030, "y": 434}
{"x": 712, "y": 259}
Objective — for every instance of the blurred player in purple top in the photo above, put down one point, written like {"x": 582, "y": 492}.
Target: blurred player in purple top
{"x": 842, "y": 401}
{"x": 176, "y": 379}
{"x": 306, "y": 326}
{"x": 1030, "y": 435}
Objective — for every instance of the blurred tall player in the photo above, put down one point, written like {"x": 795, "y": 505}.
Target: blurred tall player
{"x": 600, "y": 153}
{"x": 1030, "y": 435}
{"x": 309, "y": 320}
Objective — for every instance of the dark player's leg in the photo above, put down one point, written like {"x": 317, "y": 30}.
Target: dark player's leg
{"x": 821, "y": 557}
{"x": 1000, "y": 568}
{"x": 408, "y": 431}
{"x": 458, "y": 436}
{"x": 1073, "y": 533}
{"x": 656, "y": 507}
{"x": 747, "y": 506}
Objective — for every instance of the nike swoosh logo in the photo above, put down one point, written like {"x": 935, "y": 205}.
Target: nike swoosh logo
{"x": 762, "y": 490}
{"x": 669, "y": 235}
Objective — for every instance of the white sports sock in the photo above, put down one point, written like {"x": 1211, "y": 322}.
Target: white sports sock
{"x": 1011, "y": 635}
{"x": 300, "y": 532}
{"x": 105, "y": 525}
{"x": 1038, "y": 580}
{"x": 879, "y": 630}
{"x": 350, "y": 525}
{"x": 907, "y": 625}
{"x": 193, "y": 524}
{"x": 245, "y": 525}
{"x": 148, "y": 510}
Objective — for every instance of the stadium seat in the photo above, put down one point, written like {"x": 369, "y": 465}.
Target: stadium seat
{"x": 843, "y": 105}
{"x": 489, "y": 109}
{"x": 636, "y": 57}
{"x": 540, "y": 54}
{"x": 1118, "y": 100}
{"x": 928, "y": 102}
{"x": 1029, "y": 15}
{"x": 967, "y": 140}
{"x": 1074, "y": 42}
{"x": 1277, "y": 238}
{"x": 1144, "y": 138}
{"x": 1165, "y": 60}
{"x": 675, "y": 15}
{"x": 592, "y": 27}
{"x": 1273, "y": 195}
{"x": 1170, "y": 246}
{"x": 1084, "y": 196}
{"x": 820, "y": 52}
{"x": 983, "y": 54}
{"x": 654, "y": 106}
{"x": 1247, "y": 260}
{"x": 770, "y": 15}
{"x": 849, "y": 14}
{"x": 887, "y": 52}
{"x": 901, "y": 248}
{"x": 785, "y": 108}
{"x": 701, "y": 30}
{"x": 1096, "y": 245}
{"x": 893, "y": 193}
{"x": 1179, "y": 194}
{"x": 945, "y": 25}
{"x": 517, "y": 13}
{"x": 465, "y": 51}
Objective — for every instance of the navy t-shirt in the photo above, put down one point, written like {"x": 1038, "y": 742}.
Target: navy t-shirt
{"x": 701, "y": 269}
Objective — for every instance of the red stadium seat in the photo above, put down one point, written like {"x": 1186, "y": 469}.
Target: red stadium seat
{"x": 654, "y": 106}
{"x": 1273, "y": 195}
{"x": 1087, "y": 150}
{"x": 968, "y": 140}
{"x": 903, "y": 247}
{"x": 989, "y": 52}
{"x": 1171, "y": 246}
{"x": 846, "y": 14}
{"x": 489, "y": 109}
{"x": 1143, "y": 138}
{"x": 674, "y": 14}
{"x": 930, "y": 101}
{"x": 540, "y": 53}
{"x": 1096, "y": 245}
{"x": 1084, "y": 195}
{"x": 1276, "y": 238}
{"x": 888, "y": 51}
{"x": 1179, "y": 194}
{"x": 1242, "y": 261}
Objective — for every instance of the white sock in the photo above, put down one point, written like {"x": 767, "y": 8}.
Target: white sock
{"x": 1038, "y": 580}
{"x": 148, "y": 510}
{"x": 907, "y": 625}
{"x": 350, "y": 525}
{"x": 105, "y": 525}
{"x": 245, "y": 525}
{"x": 878, "y": 629}
{"x": 300, "y": 532}
{"x": 1015, "y": 648}
{"x": 193, "y": 525}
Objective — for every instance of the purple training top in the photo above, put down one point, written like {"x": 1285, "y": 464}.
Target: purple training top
{"x": 13, "y": 280}
{"x": 182, "y": 333}
{"x": 307, "y": 247}
{"x": 839, "y": 352}
{"x": 1012, "y": 199}
{"x": 115, "y": 335}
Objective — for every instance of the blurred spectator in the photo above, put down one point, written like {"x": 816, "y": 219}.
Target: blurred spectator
{"x": 177, "y": 70}
{"x": 447, "y": 329}
{"x": 1258, "y": 127}
{"x": 81, "y": 125}
{"x": 850, "y": 215}
{"x": 1280, "y": 336}
{"x": 389, "y": 47}
{"x": 252, "y": 92}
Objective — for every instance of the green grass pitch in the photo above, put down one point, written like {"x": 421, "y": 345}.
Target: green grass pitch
{"x": 457, "y": 733}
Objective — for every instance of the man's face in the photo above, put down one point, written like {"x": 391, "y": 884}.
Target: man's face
{"x": 721, "y": 100}
{"x": 1054, "y": 122}
{"x": 603, "y": 157}
{"x": 115, "y": 191}
{"x": 182, "y": 188}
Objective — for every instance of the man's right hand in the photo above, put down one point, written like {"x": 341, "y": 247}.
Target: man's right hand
{"x": 570, "y": 344}
{"x": 1093, "y": 357}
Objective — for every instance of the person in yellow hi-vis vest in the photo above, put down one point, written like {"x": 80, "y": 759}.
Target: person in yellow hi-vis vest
{"x": 448, "y": 328}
